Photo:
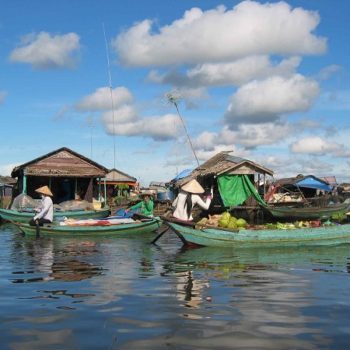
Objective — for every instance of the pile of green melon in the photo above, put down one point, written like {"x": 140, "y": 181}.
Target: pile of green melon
{"x": 228, "y": 221}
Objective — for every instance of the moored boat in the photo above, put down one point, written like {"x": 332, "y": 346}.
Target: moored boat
{"x": 217, "y": 237}
{"x": 26, "y": 216}
{"x": 312, "y": 213}
{"x": 96, "y": 227}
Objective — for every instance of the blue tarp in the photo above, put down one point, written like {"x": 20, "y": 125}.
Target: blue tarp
{"x": 183, "y": 174}
{"x": 311, "y": 182}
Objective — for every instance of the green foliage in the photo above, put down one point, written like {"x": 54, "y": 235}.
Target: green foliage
{"x": 339, "y": 217}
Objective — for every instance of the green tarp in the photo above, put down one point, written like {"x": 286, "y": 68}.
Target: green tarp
{"x": 235, "y": 189}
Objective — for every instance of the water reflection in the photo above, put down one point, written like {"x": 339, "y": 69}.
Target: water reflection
{"x": 128, "y": 294}
{"x": 253, "y": 296}
{"x": 52, "y": 261}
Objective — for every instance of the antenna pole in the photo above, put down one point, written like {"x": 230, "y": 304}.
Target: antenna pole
{"x": 173, "y": 100}
{"x": 111, "y": 92}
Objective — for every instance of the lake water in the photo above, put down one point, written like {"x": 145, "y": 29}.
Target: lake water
{"x": 120, "y": 293}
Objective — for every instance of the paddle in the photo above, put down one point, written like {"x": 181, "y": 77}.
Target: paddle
{"x": 37, "y": 229}
{"x": 137, "y": 216}
{"x": 159, "y": 235}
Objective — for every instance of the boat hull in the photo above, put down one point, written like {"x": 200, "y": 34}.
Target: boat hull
{"x": 25, "y": 217}
{"x": 132, "y": 229}
{"x": 308, "y": 213}
{"x": 211, "y": 237}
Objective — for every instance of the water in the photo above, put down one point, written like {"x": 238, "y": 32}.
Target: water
{"x": 119, "y": 293}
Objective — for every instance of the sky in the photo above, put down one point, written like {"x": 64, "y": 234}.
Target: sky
{"x": 150, "y": 87}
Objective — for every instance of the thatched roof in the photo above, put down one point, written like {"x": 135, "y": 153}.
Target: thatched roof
{"x": 224, "y": 163}
{"x": 62, "y": 162}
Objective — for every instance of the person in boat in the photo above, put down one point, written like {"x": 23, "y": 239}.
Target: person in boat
{"x": 45, "y": 210}
{"x": 146, "y": 206}
{"x": 188, "y": 197}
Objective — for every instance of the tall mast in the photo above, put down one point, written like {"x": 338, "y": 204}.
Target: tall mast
{"x": 172, "y": 99}
{"x": 111, "y": 92}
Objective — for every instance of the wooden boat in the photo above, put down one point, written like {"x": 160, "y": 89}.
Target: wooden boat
{"x": 96, "y": 227}
{"x": 311, "y": 213}
{"x": 233, "y": 258}
{"x": 26, "y": 216}
{"x": 218, "y": 237}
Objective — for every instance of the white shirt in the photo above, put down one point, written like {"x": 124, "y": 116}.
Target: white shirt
{"x": 46, "y": 209}
{"x": 181, "y": 206}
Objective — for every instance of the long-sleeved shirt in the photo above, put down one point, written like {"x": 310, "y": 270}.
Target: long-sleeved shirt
{"x": 181, "y": 206}
{"x": 146, "y": 207}
{"x": 46, "y": 209}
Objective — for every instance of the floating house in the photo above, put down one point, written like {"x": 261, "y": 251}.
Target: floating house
{"x": 236, "y": 181}
{"x": 118, "y": 184}
{"x": 301, "y": 188}
{"x": 68, "y": 174}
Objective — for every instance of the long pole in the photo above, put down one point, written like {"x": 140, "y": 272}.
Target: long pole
{"x": 111, "y": 92}
{"x": 184, "y": 126}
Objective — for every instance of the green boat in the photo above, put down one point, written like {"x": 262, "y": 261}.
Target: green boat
{"x": 233, "y": 258}
{"x": 307, "y": 213}
{"x": 217, "y": 237}
{"x": 103, "y": 227}
{"x": 26, "y": 216}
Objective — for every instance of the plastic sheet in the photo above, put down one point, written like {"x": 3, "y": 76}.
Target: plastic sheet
{"x": 75, "y": 205}
{"x": 24, "y": 202}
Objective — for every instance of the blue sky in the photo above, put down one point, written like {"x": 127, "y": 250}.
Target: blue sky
{"x": 267, "y": 80}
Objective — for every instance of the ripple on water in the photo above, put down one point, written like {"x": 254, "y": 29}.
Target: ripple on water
{"x": 123, "y": 293}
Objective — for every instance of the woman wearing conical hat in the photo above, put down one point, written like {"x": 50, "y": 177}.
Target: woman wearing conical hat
{"x": 188, "y": 197}
{"x": 45, "y": 210}
{"x": 146, "y": 206}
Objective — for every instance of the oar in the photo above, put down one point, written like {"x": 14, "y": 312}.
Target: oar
{"x": 37, "y": 229}
{"x": 159, "y": 235}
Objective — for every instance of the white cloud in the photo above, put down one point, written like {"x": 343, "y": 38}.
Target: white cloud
{"x": 124, "y": 114}
{"x": 265, "y": 101}
{"x": 241, "y": 71}
{"x": 326, "y": 72}
{"x": 159, "y": 128}
{"x": 290, "y": 166}
{"x": 2, "y": 96}
{"x": 45, "y": 51}
{"x": 6, "y": 169}
{"x": 236, "y": 73}
{"x": 316, "y": 146}
{"x": 101, "y": 99}
{"x": 204, "y": 155}
{"x": 220, "y": 35}
{"x": 246, "y": 136}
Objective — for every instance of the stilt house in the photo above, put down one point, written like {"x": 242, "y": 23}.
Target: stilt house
{"x": 68, "y": 174}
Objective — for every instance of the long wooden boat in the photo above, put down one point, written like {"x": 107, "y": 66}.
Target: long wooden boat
{"x": 310, "y": 213}
{"x": 103, "y": 227}
{"x": 216, "y": 237}
{"x": 234, "y": 258}
{"x": 26, "y": 216}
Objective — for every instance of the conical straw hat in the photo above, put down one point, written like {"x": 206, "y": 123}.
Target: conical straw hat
{"x": 146, "y": 193}
{"x": 44, "y": 190}
{"x": 193, "y": 186}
